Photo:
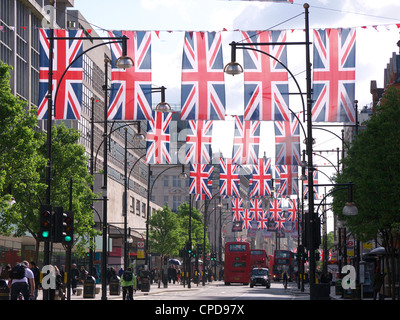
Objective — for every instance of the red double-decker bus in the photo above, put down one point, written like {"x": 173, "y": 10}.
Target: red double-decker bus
{"x": 237, "y": 263}
{"x": 258, "y": 258}
{"x": 283, "y": 261}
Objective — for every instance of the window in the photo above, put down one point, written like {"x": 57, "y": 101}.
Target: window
{"x": 132, "y": 210}
{"x": 143, "y": 210}
{"x": 166, "y": 181}
{"x": 138, "y": 207}
{"x": 176, "y": 181}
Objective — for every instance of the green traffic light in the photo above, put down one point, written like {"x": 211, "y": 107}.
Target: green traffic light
{"x": 67, "y": 238}
{"x": 45, "y": 234}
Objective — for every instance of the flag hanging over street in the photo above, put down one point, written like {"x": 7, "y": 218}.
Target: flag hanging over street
{"x": 200, "y": 178}
{"x": 261, "y": 181}
{"x": 67, "y": 104}
{"x": 334, "y": 74}
{"x": 287, "y": 177}
{"x": 265, "y": 80}
{"x": 237, "y": 209}
{"x": 158, "y": 138}
{"x": 229, "y": 180}
{"x": 246, "y": 141}
{"x": 287, "y": 142}
{"x": 275, "y": 209}
{"x": 130, "y": 94}
{"x": 203, "y": 82}
{"x": 256, "y": 209}
{"x": 198, "y": 141}
{"x": 247, "y": 219}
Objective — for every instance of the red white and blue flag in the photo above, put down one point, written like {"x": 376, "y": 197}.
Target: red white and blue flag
{"x": 287, "y": 177}
{"x": 293, "y": 214}
{"x": 158, "y": 138}
{"x": 229, "y": 181}
{"x": 130, "y": 93}
{"x": 334, "y": 74}
{"x": 200, "y": 180}
{"x": 261, "y": 181}
{"x": 247, "y": 219}
{"x": 265, "y": 80}
{"x": 203, "y": 82}
{"x": 198, "y": 141}
{"x": 287, "y": 142}
{"x": 246, "y": 141}
{"x": 237, "y": 209}
{"x": 67, "y": 104}
{"x": 256, "y": 209}
{"x": 275, "y": 209}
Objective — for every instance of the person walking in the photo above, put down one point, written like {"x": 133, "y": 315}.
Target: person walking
{"x": 378, "y": 279}
{"x": 74, "y": 278}
{"x": 36, "y": 273}
{"x": 21, "y": 281}
{"x": 285, "y": 278}
{"x": 128, "y": 284}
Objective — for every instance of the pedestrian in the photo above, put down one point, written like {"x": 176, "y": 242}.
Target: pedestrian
{"x": 128, "y": 284}
{"x": 74, "y": 278}
{"x": 21, "y": 281}
{"x": 5, "y": 272}
{"x": 36, "y": 273}
{"x": 82, "y": 275}
{"x": 378, "y": 279}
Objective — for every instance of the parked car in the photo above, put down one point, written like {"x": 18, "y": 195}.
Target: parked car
{"x": 260, "y": 277}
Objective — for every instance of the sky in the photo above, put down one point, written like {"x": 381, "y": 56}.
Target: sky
{"x": 375, "y": 23}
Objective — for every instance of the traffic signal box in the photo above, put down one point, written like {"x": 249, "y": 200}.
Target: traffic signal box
{"x": 63, "y": 226}
{"x": 45, "y": 221}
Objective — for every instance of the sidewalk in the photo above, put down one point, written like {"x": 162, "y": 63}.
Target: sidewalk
{"x": 154, "y": 289}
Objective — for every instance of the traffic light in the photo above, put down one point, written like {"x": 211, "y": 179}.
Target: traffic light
{"x": 189, "y": 248}
{"x": 68, "y": 228}
{"x": 45, "y": 222}
{"x": 194, "y": 253}
{"x": 213, "y": 256}
{"x": 305, "y": 256}
{"x": 58, "y": 224}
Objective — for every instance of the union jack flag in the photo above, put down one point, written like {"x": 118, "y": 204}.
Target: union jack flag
{"x": 315, "y": 181}
{"x": 198, "y": 141}
{"x": 334, "y": 74}
{"x": 237, "y": 209}
{"x": 288, "y": 180}
{"x": 280, "y": 224}
{"x": 292, "y": 211}
{"x": 158, "y": 138}
{"x": 256, "y": 209}
{"x": 261, "y": 181}
{"x": 200, "y": 180}
{"x": 265, "y": 80}
{"x": 247, "y": 219}
{"x": 130, "y": 94}
{"x": 228, "y": 178}
{"x": 275, "y": 209}
{"x": 203, "y": 86}
{"x": 287, "y": 142}
{"x": 246, "y": 141}
{"x": 67, "y": 104}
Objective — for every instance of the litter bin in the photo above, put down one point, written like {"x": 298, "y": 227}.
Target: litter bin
{"x": 320, "y": 291}
{"x": 89, "y": 287}
{"x": 4, "y": 290}
{"x": 115, "y": 286}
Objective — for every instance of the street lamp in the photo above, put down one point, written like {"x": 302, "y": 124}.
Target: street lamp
{"x": 122, "y": 62}
{"x": 234, "y": 68}
{"x": 162, "y": 106}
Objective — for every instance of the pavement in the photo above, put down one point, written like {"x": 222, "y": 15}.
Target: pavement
{"x": 154, "y": 289}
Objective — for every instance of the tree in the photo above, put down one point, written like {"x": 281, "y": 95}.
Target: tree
{"x": 164, "y": 234}
{"x": 372, "y": 164}
{"x": 197, "y": 226}
{"x": 21, "y": 162}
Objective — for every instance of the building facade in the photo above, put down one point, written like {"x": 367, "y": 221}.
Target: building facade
{"x": 20, "y": 21}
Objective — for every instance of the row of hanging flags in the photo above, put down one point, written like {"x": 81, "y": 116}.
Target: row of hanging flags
{"x": 203, "y": 101}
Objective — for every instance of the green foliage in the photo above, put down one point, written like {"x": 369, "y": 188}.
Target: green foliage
{"x": 164, "y": 235}
{"x": 23, "y": 163}
{"x": 372, "y": 164}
